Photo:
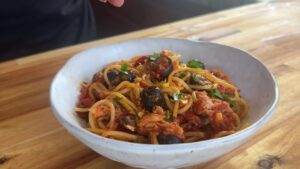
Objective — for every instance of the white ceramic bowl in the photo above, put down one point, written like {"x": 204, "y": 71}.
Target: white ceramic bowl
{"x": 257, "y": 85}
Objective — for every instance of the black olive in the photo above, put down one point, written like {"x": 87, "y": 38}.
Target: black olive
{"x": 116, "y": 77}
{"x": 160, "y": 68}
{"x": 152, "y": 97}
{"x": 113, "y": 77}
{"x": 198, "y": 80}
{"x": 129, "y": 76}
{"x": 168, "y": 68}
{"x": 168, "y": 139}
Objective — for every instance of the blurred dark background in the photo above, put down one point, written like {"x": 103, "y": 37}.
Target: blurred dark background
{"x": 139, "y": 14}
{"x": 133, "y": 15}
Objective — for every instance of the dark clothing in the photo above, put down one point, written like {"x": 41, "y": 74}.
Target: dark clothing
{"x": 31, "y": 26}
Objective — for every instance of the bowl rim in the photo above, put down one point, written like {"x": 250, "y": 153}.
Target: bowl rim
{"x": 170, "y": 148}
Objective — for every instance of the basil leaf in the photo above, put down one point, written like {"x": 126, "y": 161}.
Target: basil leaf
{"x": 154, "y": 57}
{"x": 124, "y": 68}
{"x": 178, "y": 96}
{"x": 216, "y": 93}
{"x": 195, "y": 64}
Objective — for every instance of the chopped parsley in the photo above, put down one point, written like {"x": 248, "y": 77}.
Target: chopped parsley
{"x": 154, "y": 57}
{"x": 217, "y": 94}
{"x": 178, "y": 96}
{"x": 195, "y": 64}
{"x": 124, "y": 68}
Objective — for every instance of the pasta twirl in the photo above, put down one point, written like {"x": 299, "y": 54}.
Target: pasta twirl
{"x": 157, "y": 99}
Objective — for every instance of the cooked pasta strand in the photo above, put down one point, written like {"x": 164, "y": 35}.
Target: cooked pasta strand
{"x": 157, "y": 99}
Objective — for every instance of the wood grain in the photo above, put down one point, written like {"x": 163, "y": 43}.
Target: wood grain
{"x": 32, "y": 138}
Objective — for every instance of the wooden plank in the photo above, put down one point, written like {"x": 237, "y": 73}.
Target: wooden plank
{"x": 26, "y": 127}
{"x": 32, "y": 138}
{"x": 55, "y": 149}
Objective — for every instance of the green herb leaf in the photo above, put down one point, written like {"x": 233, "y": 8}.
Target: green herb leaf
{"x": 154, "y": 57}
{"x": 194, "y": 79}
{"x": 216, "y": 93}
{"x": 195, "y": 64}
{"x": 178, "y": 96}
{"x": 181, "y": 75}
{"x": 124, "y": 68}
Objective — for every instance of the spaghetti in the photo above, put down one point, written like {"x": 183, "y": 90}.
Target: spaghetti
{"x": 157, "y": 99}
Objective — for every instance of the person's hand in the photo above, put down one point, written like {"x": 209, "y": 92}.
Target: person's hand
{"x": 117, "y": 3}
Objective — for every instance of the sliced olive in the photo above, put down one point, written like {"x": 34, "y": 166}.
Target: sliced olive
{"x": 152, "y": 97}
{"x": 168, "y": 139}
{"x": 116, "y": 77}
{"x": 160, "y": 68}
{"x": 128, "y": 76}
{"x": 198, "y": 80}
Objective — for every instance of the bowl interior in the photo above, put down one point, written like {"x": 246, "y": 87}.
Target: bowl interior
{"x": 253, "y": 79}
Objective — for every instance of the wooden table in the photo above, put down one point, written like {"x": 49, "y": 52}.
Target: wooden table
{"x": 30, "y": 137}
